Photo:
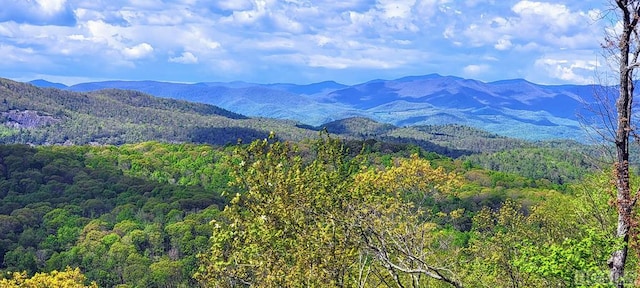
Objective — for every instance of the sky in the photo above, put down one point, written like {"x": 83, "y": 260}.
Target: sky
{"x": 302, "y": 41}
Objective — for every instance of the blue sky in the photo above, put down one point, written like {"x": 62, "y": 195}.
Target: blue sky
{"x": 301, "y": 41}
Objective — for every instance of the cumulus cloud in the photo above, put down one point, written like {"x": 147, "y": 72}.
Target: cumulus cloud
{"x": 185, "y": 58}
{"x": 503, "y": 44}
{"x": 248, "y": 37}
{"x": 233, "y": 5}
{"x": 38, "y": 12}
{"x": 396, "y": 9}
{"x": 139, "y": 51}
{"x": 579, "y": 71}
{"x": 15, "y": 55}
{"x": 148, "y": 4}
{"x": 556, "y": 17}
{"x": 474, "y": 70}
{"x": 344, "y": 63}
{"x": 248, "y": 16}
{"x": 392, "y": 16}
{"x": 51, "y": 6}
{"x": 552, "y": 24}
{"x": 277, "y": 44}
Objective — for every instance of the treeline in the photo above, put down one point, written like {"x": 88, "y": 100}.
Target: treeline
{"x": 50, "y": 116}
{"x": 559, "y": 166}
{"x": 47, "y": 116}
{"x": 318, "y": 212}
{"x": 81, "y": 207}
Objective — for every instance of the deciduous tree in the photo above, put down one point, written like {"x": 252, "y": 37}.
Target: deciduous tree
{"x": 327, "y": 220}
{"x": 70, "y": 278}
{"x": 624, "y": 46}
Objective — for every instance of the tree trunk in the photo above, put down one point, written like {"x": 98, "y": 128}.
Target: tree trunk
{"x": 621, "y": 172}
{"x": 624, "y": 202}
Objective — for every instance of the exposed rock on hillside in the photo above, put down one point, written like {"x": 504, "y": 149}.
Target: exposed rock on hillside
{"x": 26, "y": 119}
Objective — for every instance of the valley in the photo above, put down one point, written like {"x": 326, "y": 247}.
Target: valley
{"x": 143, "y": 191}
{"x": 339, "y": 144}
{"x": 511, "y": 108}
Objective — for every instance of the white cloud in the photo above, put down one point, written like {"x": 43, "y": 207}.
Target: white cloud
{"x": 249, "y": 16}
{"x": 276, "y": 44}
{"x": 197, "y": 40}
{"x": 51, "y": 6}
{"x": 249, "y": 37}
{"x": 148, "y": 4}
{"x": 396, "y": 8}
{"x": 344, "y": 5}
{"x": 477, "y": 35}
{"x": 503, "y": 44}
{"x": 5, "y": 31}
{"x": 233, "y": 5}
{"x": 475, "y": 70}
{"x": 529, "y": 48}
{"x": 284, "y": 23}
{"x": 13, "y": 55}
{"x": 391, "y": 16}
{"x": 554, "y": 16}
{"x": 164, "y": 19}
{"x": 103, "y": 32}
{"x": 579, "y": 71}
{"x": 77, "y": 37}
{"x": 473, "y": 3}
{"x": 185, "y": 58}
{"x": 322, "y": 40}
{"x": 209, "y": 44}
{"x": 344, "y": 63}
{"x": 549, "y": 24}
{"x": 426, "y": 9}
{"x": 141, "y": 50}
{"x": 450, "y": 35}
{"x": 38, "y": 12}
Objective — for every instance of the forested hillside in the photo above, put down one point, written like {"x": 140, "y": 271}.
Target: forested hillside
{"x": 312, "y": 213}
{"x": 217, "y": 199}
{"x": 51, "y": 116}
{"x": 33, "y": 115}
{"x": 160, "y": 178}
{"x": 510, "y": 108}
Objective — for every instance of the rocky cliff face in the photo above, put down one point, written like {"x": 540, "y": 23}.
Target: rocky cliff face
{"x": 26, "y": 119}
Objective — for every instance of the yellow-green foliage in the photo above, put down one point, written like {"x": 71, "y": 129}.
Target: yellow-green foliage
{"x": 70, "y": 278}
{"x": 297, "y": 215}
{"x": 331, "y": 222}
{"x": 564, "y": 241}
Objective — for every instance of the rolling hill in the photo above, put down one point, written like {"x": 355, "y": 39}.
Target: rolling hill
{"x": 514, "y": 108}
{"x": 52, "y": 116}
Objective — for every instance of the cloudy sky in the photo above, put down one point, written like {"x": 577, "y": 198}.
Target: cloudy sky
{"x": 301, "y": 41}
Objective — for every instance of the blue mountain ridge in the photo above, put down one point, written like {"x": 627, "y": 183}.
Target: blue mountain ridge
{"x": 46, "y": 84}
{"x": 514, "y": 108}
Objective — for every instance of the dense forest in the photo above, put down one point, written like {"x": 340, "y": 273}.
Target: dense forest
{"x": 48, "y": 116}
{"x": 319, "y": 212}
{"x": 122, "y": 189}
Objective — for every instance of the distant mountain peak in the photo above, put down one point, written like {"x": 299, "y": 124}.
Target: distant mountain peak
{"x": 47, "y": 84}
{"x": 512, "y": 81}
{"x": 427, "y": 77}
{"x": 512, "y": 107}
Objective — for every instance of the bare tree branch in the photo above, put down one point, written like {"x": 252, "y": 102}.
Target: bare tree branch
{"x": 383, "y": 244}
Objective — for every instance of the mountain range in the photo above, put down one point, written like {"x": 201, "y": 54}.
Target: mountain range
{"x": 53, "y": 116}
{"x": 513, "y": 108}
